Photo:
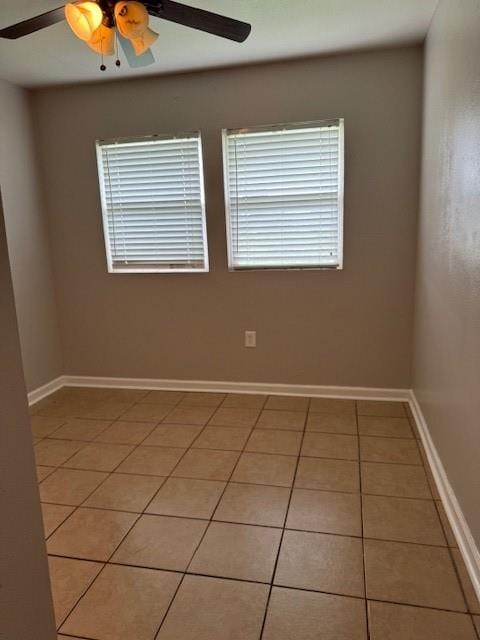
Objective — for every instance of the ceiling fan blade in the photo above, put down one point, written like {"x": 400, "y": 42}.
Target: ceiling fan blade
{"x": 199, "y": 19}
{"x": 133, "y": 60}
{"x": 33, "y": 24}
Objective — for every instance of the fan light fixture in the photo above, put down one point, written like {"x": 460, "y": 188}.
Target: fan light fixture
{"x": 131, "y": 19}
{"x": 83, "y": 18}
{"x": 105, "y": 24}
{"x": 87, "y": 22}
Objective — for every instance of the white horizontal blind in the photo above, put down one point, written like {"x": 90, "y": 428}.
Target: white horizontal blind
{"x": 284, "y": 196}
{"x": 153, "y": 204}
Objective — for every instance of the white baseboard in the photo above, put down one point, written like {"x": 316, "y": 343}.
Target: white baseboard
{"x": 461, "y": 530}
{"x": 45, "y": 390}
{"x": 360, "y": 393}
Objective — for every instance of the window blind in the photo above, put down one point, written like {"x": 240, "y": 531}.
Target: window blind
{"x": 284, "y": 196}
{"x": 153, "y": 204}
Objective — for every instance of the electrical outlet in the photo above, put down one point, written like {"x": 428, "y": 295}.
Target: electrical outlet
{"x": 250, "y": 339}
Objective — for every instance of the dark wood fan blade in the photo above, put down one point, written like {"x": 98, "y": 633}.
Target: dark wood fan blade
{"x": 33, "y": 24}
{"x": 199, "y": 19}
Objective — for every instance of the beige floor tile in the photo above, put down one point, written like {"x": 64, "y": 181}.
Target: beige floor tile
{"x": 125, "y": 395}
{"x": 321, "y": 562}
{"x": 431, "y": 483}
{"x": 43, "y": 426}
{"x": 126, "y": 432}
{"x": 332, "y": 423}
{"x": 401, "y": 622}
{"x": 206, "y": 464}
{"x": 53, "y": 515}
{"x": 273, "y": 441}
{"x": 125, "y": 492}
{"x": 476, "y": 622}
{"x": 399, "y": 480}
{"x": 55, "y": 452}
{"x": 65, "y": 409}
{"x": 384, "y": 427}
{"x": 447, "y": 529}
{"x": 152, "y": 461}
{"x": 70, "y": 486}
{"x": 253, "y": 504}
{"x": 69, "y": 580}
{"x": 402, "y": 519}
{"x": 91, "y": 534}
{"x": 332, "y": 405}
{"x": 215, "y": 609}
{"x": 260, "y": 468}
{"x": 303, "y": 615}
{"x": 190, "y": 415}
{"x": 231, "y": 439}
{"x": 244, "y": 401}
{"x": 328, "y": 475}
{"x": 381, "y": 408}
{"x": 99, "y": 456}
{"x": 187, "y": 498}
{"x": 330, "y": 445}
{"x": 161, "y": 542}
{"x": 470, "y": 596}
{"x": 163, "y": 397}
{"x": 124, "y": 603}
{"x": 44, "y": 472}
{"x": 108, "y": 410}
{"x": 237, "y": 551}
{"x": 412, "y": 574}
{"x": 81, "y": 429}
{"x": 390, "y": 450}
{"x": 290, "y": 420}
{"x": 325, "y": 512}
{"x": 230, "y": 417}
{"x": 201, "y": 399}
{"x": 172, "y": 435}
{"x": 287, "y": 403}
{"x": 147, "y": 411}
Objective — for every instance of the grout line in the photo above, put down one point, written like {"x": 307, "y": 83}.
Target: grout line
{"x": 274, "y": 571}
{"x": 241, "y": 523}
{"x": 367, "y": 621}
{"x": 206, "y": 528}
{"x": 250, "y": 581}
{"x": 459, "y": 580}
{"x": 121, "y": 541}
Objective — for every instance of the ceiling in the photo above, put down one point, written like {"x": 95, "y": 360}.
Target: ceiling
{"x": 280, "y": 29}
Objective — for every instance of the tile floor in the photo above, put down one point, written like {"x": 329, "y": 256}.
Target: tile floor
{"x": 206, "y": 516}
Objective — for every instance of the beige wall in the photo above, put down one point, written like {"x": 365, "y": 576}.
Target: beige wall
{"x": 25, "y": 602}
{"x": 352, "y": 327}
{"x": 28, "y": 242}
{"x": 447, "y": 319}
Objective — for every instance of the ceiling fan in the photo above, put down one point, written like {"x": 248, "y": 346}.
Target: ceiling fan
{"x": 99, "y": 22}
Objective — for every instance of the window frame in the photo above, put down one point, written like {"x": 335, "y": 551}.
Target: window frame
{"x": 137, "y": 269}
{"x": 226, "y": 132}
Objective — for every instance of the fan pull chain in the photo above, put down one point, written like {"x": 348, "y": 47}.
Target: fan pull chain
{"x": 117, "y": 61}
{"x": 102, "y": 66}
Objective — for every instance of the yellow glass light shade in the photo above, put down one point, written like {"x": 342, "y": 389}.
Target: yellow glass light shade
{"x": 83, "y": 18}
{"x": 131, "y": 19}
{"x": 103, "y": 40}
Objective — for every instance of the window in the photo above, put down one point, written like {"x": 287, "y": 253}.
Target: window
{"x": 153, "y": 204}
{"x": 284, "y": 196}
